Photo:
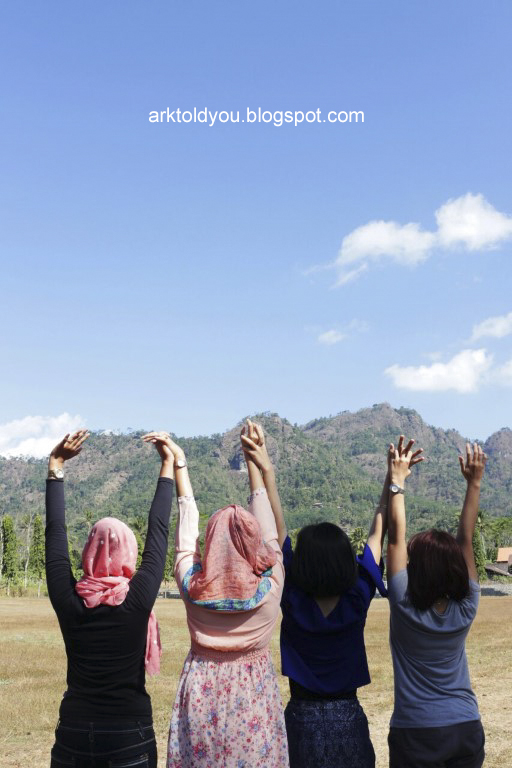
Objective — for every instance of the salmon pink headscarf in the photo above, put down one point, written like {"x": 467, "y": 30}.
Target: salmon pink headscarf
{"x": 235, "y": 557}
{"x": 109, "y": 560}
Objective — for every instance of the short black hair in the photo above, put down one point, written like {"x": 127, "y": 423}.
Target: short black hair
{"x": 324, "y": 562}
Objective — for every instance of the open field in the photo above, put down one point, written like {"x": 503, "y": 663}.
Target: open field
{"x": 32, "y": 677}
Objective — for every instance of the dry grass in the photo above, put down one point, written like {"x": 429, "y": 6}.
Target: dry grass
{"x": 32, "y": 677}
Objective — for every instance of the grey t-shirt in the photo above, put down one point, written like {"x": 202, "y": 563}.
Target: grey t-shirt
{"x": 432, "y": 686}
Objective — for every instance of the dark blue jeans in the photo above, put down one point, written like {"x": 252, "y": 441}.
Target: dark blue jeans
{"x": 104, "y": 745}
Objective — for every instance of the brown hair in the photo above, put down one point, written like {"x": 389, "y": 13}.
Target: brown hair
{"x": 436, "y": 569}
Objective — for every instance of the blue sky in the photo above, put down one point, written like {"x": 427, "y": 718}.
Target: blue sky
{"x": 163, "y": 275}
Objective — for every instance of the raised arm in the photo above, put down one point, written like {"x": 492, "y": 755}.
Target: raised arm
{"x": 187, "y": 526}
{"x": 400, "y": 460}
{"x": 379, "y": 525}
{"x": 145, "y": 584}
{"x": 261, "y": 473}
{"x": 59, "y": 576}
{"x": 473, "y": 472}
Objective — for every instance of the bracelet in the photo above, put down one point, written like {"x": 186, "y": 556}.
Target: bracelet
{"x": 257, "y": 492}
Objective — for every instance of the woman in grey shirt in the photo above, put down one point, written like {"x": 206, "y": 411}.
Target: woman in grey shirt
{"x": 433, "y": 596}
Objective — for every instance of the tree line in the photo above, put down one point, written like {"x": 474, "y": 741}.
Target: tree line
{"x": 22, "y": 566}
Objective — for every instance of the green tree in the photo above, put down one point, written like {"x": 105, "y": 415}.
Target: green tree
{"x": 36, "y": 559}
{"x": 27, "y": 527}
{"x": 10, "y": 562}
{"x": 169, "y": 564}
{"x": 139, "y": 526}
{"x": 358, "y": 539}
{"x": 479, "y": 552}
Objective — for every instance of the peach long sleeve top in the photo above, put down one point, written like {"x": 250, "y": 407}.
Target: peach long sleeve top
{"x": 239, "y": 631}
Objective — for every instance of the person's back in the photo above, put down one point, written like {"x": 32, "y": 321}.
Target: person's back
{"x": 108, "y": 626}
{"x": 228, "y": 709}
{"x": 326, "y": 653}
{"x": 325, "y": 602}
{"x": 105, "y": 649}
{"x": 433, "y": 594}
{"x": 432, "y": 684}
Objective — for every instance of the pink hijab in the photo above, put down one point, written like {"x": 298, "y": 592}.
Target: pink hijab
{"x": 235, "y": 556}
{"x": 109, "y": 561}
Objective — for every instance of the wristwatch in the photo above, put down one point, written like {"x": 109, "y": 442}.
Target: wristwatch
{"x": 393, "y": 488}
{"x": 180, "y": 463}
{"x": 55, "y": 474}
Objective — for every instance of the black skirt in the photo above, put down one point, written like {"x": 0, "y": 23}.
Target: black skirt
{"x": 328, "y": 733}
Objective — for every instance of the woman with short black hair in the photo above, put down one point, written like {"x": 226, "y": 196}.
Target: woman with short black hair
{"x": 326, "y": 597}
{"x": 433, "y": 597}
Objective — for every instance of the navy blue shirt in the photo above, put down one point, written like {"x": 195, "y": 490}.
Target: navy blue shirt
{"x": 326, "y": 654}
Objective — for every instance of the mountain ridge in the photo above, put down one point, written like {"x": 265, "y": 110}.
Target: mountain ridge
{"x": 330, "y": 468}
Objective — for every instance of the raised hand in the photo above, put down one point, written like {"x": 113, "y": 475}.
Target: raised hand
{"x": 253, "y": 444}
{"x": 474, "y": 468}
{"x": 400, "y": 460}
{"x": 69, "y": 447}
{"x": 167, "y": 449}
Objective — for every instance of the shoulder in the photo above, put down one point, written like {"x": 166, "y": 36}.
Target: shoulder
{"x": 467, "y": 607}
{"x": 370, "y": 572}
{"x": 397, "y": 587}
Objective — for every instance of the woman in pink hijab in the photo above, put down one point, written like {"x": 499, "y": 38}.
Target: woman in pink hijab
{"x": 228, "y": 709}
{"x": 107, "y": 622}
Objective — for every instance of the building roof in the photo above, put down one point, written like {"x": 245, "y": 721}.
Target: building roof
{"x": 504, "y": 554}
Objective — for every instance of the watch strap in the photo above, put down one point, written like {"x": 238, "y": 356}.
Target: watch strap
{"x": 55, "y": 474}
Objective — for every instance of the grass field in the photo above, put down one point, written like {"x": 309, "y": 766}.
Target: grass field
{"x": 32, "y": 677}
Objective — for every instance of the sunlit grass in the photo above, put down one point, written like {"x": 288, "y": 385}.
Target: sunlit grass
{"x": 32, "y": 677}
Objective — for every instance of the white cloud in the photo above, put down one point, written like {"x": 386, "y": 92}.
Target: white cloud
{"x": 472, "y": 222}
{"x": 503, "y": 374}
{"x": 463, "y": 373}
{"x": 331, "y": 337}
{"x": 496, "y": 327}
{"x": 469, "y": 222}
{"x": 35, "y": 435}
{"x": 405, "y": 244}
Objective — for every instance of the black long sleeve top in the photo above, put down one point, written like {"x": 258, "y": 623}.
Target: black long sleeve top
{"x": 106, "y": 645}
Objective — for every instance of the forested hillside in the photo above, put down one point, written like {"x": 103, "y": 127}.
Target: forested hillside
{"x": 331, "y": 468}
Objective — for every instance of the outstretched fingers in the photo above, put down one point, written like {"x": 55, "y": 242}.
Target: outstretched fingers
{"x": 78, "y": 439}
{"x": 416, "y": 458}
{"x": 409, "y": 446}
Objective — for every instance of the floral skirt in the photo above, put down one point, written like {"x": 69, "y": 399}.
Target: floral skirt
{"x": 228, "y": 713}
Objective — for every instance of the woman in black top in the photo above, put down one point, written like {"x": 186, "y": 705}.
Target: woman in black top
{"x": 105, "y": 714}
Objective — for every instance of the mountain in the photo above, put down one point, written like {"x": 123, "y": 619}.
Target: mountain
{"x": 331, "y": 468}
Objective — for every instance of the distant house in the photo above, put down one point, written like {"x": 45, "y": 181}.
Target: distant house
{"x": 504, "y": 559}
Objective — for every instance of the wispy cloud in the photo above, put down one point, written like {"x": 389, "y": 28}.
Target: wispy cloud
{"x": 503, "y": 374}
{"x": 495, "y": 327}
{"x": 331, "y": 337}
{"x": 464, "y": 373}
{"x": 334, "y": 336}
{"x": 469, "y": 222}
{"x": 378, "y": 240}
{"x": 35, "y": 435}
